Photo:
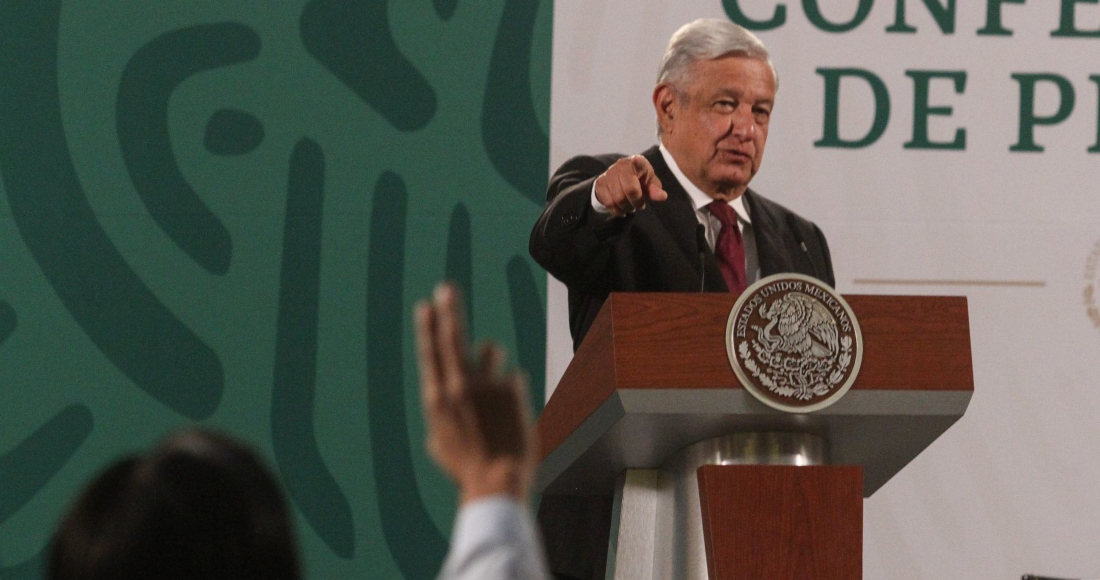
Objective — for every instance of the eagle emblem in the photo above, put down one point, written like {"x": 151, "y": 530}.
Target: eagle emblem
{"x": 794, "y": 342}
{"x": 804, "y": 326}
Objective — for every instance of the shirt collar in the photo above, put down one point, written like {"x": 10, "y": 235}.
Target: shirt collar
{"x": 698, "y": 198}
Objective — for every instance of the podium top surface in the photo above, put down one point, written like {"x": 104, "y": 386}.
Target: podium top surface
{"x": 652, "y": 377}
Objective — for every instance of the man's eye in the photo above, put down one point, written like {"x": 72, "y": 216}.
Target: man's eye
{"x": 725, "y": 105}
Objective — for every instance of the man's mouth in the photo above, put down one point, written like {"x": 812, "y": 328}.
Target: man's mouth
{"x": 737, "y": 156}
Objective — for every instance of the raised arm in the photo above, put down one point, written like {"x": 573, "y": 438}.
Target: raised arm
{"x": 589, "y": 204}
{"x": 479, "y": 433}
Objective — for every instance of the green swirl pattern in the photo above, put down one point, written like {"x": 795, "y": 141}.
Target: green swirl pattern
{"x": 222, "y": 214}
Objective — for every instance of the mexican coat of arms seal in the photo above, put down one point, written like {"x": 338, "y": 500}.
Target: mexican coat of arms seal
{"x": 794, "y": 343}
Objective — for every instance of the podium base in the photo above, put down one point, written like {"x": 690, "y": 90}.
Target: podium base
{"x": 782, "y": 522}
{"x": 657, "y": 520}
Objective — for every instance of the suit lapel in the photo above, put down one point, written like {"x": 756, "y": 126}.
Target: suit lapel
{"x": 677, "y": 215}
{"x": 771, "y": 248}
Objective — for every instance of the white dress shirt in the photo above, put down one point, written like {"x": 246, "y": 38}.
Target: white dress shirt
{"x": 699, "y": 201}
{"x": 494, "y": 539}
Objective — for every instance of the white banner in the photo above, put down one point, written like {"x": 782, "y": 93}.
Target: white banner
{"x": 950, "y": 150}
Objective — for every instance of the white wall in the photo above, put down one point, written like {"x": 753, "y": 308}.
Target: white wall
{"x": 1013, "y": 487}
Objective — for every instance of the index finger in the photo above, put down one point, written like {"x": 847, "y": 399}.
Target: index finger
{"x": 651, "y": 184}
{"x": 642, "y": 169}
{"x": 427, "y": 356}
{"x": 451, "y": 339}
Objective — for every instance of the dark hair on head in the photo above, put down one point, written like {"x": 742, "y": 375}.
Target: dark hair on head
{"x": 199, "y": 506}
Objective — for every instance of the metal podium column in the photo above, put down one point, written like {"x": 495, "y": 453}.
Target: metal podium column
{"x": 657, "y": 528}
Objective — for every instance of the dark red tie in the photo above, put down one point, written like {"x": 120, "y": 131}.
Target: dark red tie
{"x": 729, "y": 248}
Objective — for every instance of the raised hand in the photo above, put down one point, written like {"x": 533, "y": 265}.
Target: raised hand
{"x": 477, "y": 415}
{"x": 628, "y": 185}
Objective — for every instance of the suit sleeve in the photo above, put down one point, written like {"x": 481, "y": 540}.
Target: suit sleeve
{"x": 570, "y": 240}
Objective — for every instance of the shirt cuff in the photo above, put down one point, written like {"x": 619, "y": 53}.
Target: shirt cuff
{"x": 596, "y": 205}
{"x": 494, "y": 536}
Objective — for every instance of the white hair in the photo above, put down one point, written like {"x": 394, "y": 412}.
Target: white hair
{"x": 707, "y": 39}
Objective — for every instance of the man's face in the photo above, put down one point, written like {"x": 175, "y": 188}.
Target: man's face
{"x": 716, "y": 123}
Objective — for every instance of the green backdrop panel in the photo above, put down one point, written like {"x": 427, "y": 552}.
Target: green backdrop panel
{"x": 223, "y": 213}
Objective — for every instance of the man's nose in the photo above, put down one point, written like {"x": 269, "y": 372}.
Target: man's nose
{"x": 742, "y": 124}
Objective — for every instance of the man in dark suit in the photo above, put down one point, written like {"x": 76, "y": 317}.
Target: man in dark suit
{"x": 629, "y": 224}
{"x": 677, "y": 218}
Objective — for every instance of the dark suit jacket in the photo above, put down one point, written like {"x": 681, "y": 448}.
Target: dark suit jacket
{"x": 655, "y": 249}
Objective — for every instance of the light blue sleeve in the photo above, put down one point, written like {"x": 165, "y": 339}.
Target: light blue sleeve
{"x": 494, "y": 539}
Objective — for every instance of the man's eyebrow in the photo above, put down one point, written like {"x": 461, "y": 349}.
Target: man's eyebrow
{"x": 738, "y": 94}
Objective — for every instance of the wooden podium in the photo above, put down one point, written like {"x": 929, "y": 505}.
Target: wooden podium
{"x": 650, "y": 395}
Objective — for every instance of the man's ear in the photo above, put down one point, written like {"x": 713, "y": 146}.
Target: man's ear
{"x": 666, "y": 105}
